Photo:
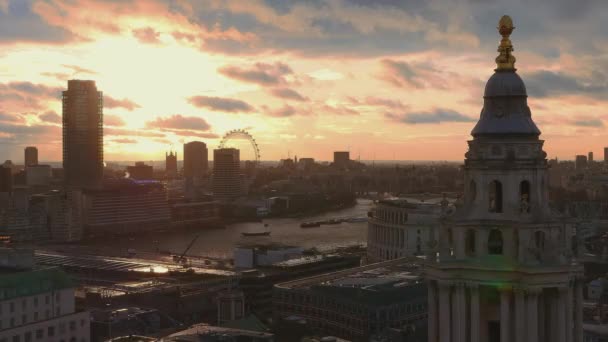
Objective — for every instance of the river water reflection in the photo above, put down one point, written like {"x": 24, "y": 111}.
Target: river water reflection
{"x": 219, "y": 243}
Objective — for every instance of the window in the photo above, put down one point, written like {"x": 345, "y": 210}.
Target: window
{"x": 524, "y": 196}
{"x": 12, "y": 307}
{"x": 39, "y": 334}
{"x": 23, "y": 319}
{"x": 47, "y": 299}
{"x": 50, "y": 331}
{"x": 495, "y": 242}
{"x": 470, "y": 243}
{"x": 72, "y": 325}
{"x": 539, "y": 239}
{"x": 17, "y": 338}
{"x": 35, "y": 302}
{"x": 495, "y": 197}
{"x": 27, "y": 337}
{"x": 472, "y": 191}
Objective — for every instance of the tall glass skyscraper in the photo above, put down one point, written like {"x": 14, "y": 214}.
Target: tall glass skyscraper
{"x": 83, "y": 134}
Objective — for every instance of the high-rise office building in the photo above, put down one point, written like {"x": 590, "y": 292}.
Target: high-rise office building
{"x": 505, "y": 268}
{"x": 171, "y": 164}
{"x": 226, "y": 174}
{"x": 341, "y": 158}
{"x": 590, "y": 157}
{"x": 31, "y": 156}
{"x": 196, "y": 160}
{"x": 83, "y": 134}
{"x": 606, "y": 154}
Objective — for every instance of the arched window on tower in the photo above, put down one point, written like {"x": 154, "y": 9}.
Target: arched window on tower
{"x": 495, "y": 242}
{"x": 472, "y": 191}
{"x": 470, "y": 243}
{"x": 524, "y": 196}
{"x": 495, "y": 198}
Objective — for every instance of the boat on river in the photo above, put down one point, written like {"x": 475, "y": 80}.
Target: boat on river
{"x": 266, "y": 233}
{"x": 310, "y": 225}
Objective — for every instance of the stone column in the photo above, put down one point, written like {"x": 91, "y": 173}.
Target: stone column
{"x": 541, "y": 317}
{"x": 461, "y": 309}
{"x": 456, "y": 325}
{"x": 505, "y": 315}
{"x": 578, "y": 311}
{"x": 560, "y": 327}
{"x": 569, "y": 313}
{"x": 445, "y": 311}
{"x": 520, "y": 315}
{"x": 532, "y": 315}
{"x": 474, "y": 290}
{"x": 432, "y": 321}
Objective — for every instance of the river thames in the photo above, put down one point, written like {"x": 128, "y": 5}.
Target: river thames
{"x": 219, "y": 243}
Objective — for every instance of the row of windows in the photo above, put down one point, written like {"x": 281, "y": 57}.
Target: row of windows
{"x": 495, "y": 241}
{"x": 25, "y": 303}
{"x": 41, "y": 334}
{"x": 11, "y": 323}
{"x": 495, "y": 195}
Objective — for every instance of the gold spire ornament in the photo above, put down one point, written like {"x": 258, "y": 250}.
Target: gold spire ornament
{"x": 505, "y": 60}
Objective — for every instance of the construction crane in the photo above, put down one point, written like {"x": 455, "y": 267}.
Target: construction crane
{"x": 181, "y": 259}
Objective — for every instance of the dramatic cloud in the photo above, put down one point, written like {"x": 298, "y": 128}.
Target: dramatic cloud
{"x": 113, "y": 120}
{"x": 412, "y": 74}
{"x": 123, "y": 132}
{"x": 196, "y": 134}
{"x": 110, "y": 102}
{"x": 78, "y": 70}
{"x": 433, "y": 117}
{"x": 147, "y": 35}
{"x": 50, "y": 117}
{"x": 260, "y": 73}
{"x": 336, "y": 110}
{"x": 19, "y": 23}
{"x": 283, "y": 112}
{"x": 124, "y": 141}
{"x": 545, "y": 83}
{"x": 588, "y": 123}
{"x": 179, "y": 122}
{"x": 378, "y": 102}
{"x": 288, "y": 94}
{"x": 220, "y": 104}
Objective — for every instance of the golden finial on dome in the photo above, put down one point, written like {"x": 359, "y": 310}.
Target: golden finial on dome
{"x": 505, "y": 60}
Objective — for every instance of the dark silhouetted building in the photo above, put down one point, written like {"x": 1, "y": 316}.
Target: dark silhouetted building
{"x": 83, "y": 134}
{"x": 6, "y": 179}
{"x": 196, "y": 160}
{"x": 226, "y": 174}
{"x": 580, "y": 162}
{"x": 171, "y": 164}
{"x": 606, "y": 154}
{"x": 341, "y": 158}
{"x": 590, "y": 157}
{"x": 140, "y": 171}
{"x": 31, "y": 156}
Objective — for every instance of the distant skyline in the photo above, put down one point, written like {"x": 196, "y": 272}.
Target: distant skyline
{"x": 387, "y": 80}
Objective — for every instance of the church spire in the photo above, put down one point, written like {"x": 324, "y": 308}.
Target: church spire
{"x": 505, "y": 61}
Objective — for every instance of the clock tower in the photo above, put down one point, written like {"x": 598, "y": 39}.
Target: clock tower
{"x": 504, "y": 269}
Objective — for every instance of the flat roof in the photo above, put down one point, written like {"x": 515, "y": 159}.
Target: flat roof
{"x": 399, "y": 272}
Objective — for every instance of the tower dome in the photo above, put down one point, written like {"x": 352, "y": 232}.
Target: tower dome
{"x": 505, "y": 109}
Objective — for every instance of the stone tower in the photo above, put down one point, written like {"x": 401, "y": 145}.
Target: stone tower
{"x": 503, "y": 269}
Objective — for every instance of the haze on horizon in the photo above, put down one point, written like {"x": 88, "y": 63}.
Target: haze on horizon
{"x": 396, "y": 80}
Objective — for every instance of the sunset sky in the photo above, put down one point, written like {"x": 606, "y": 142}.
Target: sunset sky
{"x": 385, "y": 79}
